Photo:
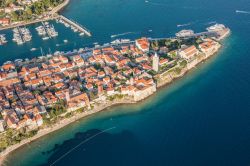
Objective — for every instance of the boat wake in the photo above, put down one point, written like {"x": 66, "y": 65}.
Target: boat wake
{"x": 155, "y": 3}
{"x": 81, "y": 143}
{"x": 190, "y": 7}
{"x": 184, "y": 25}
{"x": 122, "y": 34}
{"x": 243, "y": 12}
{"x": 211, "y": 22}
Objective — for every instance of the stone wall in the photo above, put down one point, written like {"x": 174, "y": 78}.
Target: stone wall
{"x": 142, "y": 94}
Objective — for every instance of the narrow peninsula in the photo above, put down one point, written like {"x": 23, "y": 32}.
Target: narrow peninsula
{"x": 46, "y": 93}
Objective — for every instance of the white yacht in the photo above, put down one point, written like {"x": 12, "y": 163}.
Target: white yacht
{"x": 45, "y": 38}
{"x": 33, "y": 49}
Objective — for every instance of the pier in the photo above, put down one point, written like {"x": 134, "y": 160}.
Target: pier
{"x": 79, "y": 27}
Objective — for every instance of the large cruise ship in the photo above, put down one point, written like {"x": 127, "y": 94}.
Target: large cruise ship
{"x": 216, "y": 27}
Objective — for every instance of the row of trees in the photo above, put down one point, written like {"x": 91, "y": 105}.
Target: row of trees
{"x": 11, "y": 137}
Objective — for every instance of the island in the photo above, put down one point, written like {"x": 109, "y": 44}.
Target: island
{"x": 44, "y": 94}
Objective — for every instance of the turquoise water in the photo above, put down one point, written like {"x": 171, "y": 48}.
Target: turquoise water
{"x": 201, "y": 119}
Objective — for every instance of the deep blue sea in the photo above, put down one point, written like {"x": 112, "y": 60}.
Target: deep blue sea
{"x": 202, "y": 119}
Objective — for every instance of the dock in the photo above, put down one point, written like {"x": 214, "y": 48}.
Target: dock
{"x": 79, "y": 27}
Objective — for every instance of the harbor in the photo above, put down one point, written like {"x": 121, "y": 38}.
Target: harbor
{"x": 46, "y": 30}
{"x": 212, "y": 32}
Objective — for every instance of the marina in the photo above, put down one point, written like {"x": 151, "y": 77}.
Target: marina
{"x": 45, "y": 30}
{"x": 21, "y": 35}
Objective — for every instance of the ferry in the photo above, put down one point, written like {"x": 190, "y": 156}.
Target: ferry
{"x": 216, "y": 27}
{"x": 185, "y": 33}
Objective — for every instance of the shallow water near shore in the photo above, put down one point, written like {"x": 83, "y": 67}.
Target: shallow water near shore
{"x": 200, "y": 119}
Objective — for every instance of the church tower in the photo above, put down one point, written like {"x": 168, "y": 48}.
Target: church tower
{"x": 156, "y": 62}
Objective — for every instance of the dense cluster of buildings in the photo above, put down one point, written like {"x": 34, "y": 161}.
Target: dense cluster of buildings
{"x": 29, "y": 90}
